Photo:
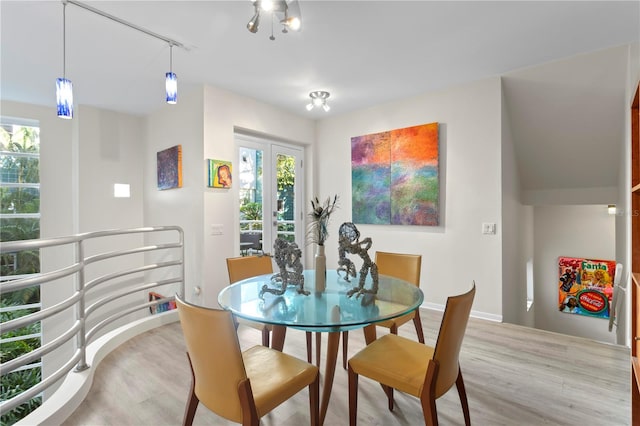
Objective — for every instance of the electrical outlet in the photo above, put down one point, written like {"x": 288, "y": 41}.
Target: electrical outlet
{"x": 489, "y": 228}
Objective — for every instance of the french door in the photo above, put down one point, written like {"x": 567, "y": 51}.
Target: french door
{"x": 270, "y": 194}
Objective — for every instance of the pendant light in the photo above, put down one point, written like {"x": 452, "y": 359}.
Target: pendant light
{"x": 64, "y": 88}
{"x": 171, "y": 81}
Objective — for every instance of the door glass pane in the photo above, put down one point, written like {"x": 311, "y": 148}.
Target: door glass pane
{"x": 251, "y": 200}
{"x": 286, "y": 183}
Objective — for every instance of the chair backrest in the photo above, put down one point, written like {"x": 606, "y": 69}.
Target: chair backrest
{"x": 452, "y": 329}
{"x": 216, "y": 357}
{"x": 399, "y": 265}
{"x": 240, "y": 268}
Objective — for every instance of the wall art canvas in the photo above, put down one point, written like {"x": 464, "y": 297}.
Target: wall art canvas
{"x": 170, "y": 168}
{"x": 219, "y": 174}
{"x": 394, "y": 177}
{"x": 585, "y": 286}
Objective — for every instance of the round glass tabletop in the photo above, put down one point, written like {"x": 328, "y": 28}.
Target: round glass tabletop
{"x": 330, "y": 310}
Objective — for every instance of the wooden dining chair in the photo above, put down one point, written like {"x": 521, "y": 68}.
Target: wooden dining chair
{"x": 414, "y": 368}
{"x": 243, "y": 267}
{"x": 240, "y": 386}
{"x": 240, "y": 268}
{"x": 406, "y": 267}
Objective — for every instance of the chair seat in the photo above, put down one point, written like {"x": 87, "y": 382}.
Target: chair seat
{"x": 275, "y": 376}
{"x": 394, "y": 361}
{"x": 397, "y": 321}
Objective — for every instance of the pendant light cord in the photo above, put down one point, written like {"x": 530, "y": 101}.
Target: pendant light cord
{"x": 64, "y": 40}
{"x": 171, "y": 57}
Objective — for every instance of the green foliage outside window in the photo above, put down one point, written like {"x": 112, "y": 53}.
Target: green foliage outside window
{"x": 19, "y": 195}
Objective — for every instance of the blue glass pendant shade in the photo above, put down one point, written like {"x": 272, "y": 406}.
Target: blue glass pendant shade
{"x": 64, "y": 98}
{"x": 171, "y": 83}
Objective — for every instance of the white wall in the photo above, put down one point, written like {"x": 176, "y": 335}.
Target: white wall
{"x": 586, "y": 231}
{"x": 517, "y": 240}
{"x": 80, "y": 159}
{"x": 111, "y": 145}
{"x": 204, "y": 122}
{"x": 456, "y": 252}
{"x": 171, "y": 125}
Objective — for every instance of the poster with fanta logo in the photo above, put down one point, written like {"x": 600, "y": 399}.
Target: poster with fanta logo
{"x": 585, "y": 286}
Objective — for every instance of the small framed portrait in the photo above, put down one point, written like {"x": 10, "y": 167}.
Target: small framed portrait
{"x": 220, "y": 175}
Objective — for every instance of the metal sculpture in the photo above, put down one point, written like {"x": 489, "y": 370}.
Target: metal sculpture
{"x": 349, "y": 243}
{"x": 287, "y": 256}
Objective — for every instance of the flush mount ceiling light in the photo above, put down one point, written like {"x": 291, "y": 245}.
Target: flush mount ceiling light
{"x": 286, "y": 13}
{"x": 318, "y": 99}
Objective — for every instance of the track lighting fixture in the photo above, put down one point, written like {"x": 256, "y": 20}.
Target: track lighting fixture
{"x": 318, "y": 99}
{"x": 64, "y": 91}
{"x": 287, "y": 13}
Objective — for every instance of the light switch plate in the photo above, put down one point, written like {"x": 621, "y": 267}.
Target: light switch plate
{"x": 217, "y": 229}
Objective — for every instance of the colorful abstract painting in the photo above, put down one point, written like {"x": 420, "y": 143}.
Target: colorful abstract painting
{"x": 585, "y": 286}
{"x": 219, "y": 174}
{"x": 394, "y": 177}
{"x": 170, "y": 168}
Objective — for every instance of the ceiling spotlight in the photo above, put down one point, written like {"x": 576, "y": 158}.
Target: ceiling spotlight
{"x": 252, "y": 26}
{"x": 319, "y": 99}
{"x": 285, "y": 12}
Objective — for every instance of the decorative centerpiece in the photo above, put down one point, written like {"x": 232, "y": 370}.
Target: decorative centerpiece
{"x": 287, "y": 256}
{"x": 349, "y": 243}
{"x": 317, "y": 233}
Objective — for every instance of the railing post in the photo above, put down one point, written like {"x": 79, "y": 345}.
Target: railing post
{"x": 80, "y": 311}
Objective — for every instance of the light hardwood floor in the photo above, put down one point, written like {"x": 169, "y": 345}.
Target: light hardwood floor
{"x": 513, "y": 376}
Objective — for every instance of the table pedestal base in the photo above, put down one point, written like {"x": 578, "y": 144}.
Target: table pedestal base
{"x": 333, "y": 341}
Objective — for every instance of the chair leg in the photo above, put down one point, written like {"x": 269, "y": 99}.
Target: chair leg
{"x": 345, "y": 344}
{"x": 463, "y": 398}
{"x": 192, "y": 404}
{"x": 314, "y": 401}
{"x": 247, "y": 404}
{"x": 265, "y": 337}
{"x": 418, "y": 323}
{"x": 318, "y": 348}
{"x": 389, "y": 391}
{"x": 353, "y": 397}
{"x": 427, "y": 398}
{"x": 309, "y": 347}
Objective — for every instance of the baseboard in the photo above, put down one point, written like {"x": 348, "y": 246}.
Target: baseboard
{"x": 474, "y": 314}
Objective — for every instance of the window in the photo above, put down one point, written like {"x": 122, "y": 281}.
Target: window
{"x": 19, "y": 220}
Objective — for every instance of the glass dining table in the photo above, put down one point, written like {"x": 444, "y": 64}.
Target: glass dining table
{"x": 330, "y": 310}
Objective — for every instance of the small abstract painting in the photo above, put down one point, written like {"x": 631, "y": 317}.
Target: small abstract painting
{"x": 219, "y": 174}
{"x": 170, "y": 168}
{"x": 585, "y": 286}
{"x": 394, "y": 177}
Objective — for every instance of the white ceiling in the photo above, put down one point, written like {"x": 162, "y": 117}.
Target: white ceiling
{"x": 363, "y": 52}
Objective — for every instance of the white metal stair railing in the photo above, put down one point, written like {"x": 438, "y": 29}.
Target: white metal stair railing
{"x": 172, "y": 252}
